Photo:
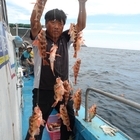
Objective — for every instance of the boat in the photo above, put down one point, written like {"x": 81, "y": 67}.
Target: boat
{"x": 16, "y": 97}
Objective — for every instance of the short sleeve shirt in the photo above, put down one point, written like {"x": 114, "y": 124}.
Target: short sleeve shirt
{"x": 25, "y": 55}
{"x": 61, "y": 69}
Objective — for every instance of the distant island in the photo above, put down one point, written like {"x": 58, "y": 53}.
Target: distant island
{"x": 83, "y": 46}
{"x": 20, "y": 25}
{"x": 12, "y": 25}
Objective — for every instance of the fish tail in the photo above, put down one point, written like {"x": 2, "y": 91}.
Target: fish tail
{"x": 75, "y": 82}
{"x": 54, "y": 104}
{"x": 45, "y": 62}
{"x": 89, "y": 120}
{"x": 76, "y": 113}
{"x": 52, "y": 67}
{"x": 31, "y": 138}
{"x": 36, "y": 19}
{"x": 53, "y": 73}
{"x": 68, "y": 128}
{"x": 75, "y": 54}
{"x": 35, "y": 42}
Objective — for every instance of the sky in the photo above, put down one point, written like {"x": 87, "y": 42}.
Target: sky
{"x": 110, "y": 23}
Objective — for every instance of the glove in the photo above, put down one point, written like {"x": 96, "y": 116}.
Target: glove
{"x": 109, "y": 130}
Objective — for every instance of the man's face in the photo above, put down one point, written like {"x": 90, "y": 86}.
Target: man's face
{"x": 55, "y": 28}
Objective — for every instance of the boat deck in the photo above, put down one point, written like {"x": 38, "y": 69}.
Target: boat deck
{"x": 83, "y": 130}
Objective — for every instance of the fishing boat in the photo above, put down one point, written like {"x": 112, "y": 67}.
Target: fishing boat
{"x": 16, "y": 98}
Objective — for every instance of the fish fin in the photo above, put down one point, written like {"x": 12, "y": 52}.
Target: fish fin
{"x": 31, "y": 138}
{"x": 65, "y": 90}
{"x": 58, "y": 55}
{"x": 75, "y": 82}
{"x": 53, "y": 73}
{"x": 89, "y": 120}
{"x": 35, "y": 43}
{"x": 43, "y": 122}
{"x": 54, "y": 104}
{"x": 75, "y": 55}
{"x": 47, "y": 52}
{"x": 71, "y": 97}
{"x": 58, "y": 114}
{"x": 45, "y": 62}
{"x": 76, "y": 113}
{"x": 68, "y": 128}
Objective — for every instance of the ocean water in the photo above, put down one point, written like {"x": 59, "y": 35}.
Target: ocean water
{"x": 116, "y": 71}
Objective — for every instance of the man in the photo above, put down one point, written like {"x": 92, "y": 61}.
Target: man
{"x": 43, "y": 92}
{"x": 27, "y": 61}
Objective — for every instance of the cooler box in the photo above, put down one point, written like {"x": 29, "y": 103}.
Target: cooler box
{"x": 53, "y": 131}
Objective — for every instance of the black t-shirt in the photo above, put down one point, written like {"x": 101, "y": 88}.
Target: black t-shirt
{"x": 47, "y": 79}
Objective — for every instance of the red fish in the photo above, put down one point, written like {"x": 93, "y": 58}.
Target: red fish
{"x": 68, "y": 89}
{"x": 92, "y": 112}
{"x": 64, "y": 116}
{"x": 35, "y": 121}
{"x": 73, "y": 32}
{"x": 77, "y": 44}
{"x": 76, "y": 38}
{"x": 41, "y": 43}
{"x": 76, "y": 68}
{"x": 52, "y": 56}
{"x": 59, "y": 91}
{"x": 77, "y": 101}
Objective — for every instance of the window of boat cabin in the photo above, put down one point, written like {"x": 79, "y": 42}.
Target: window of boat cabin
{"x": 3, "y": 11}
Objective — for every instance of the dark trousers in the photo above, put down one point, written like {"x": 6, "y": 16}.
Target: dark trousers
{"x": 45, "y": 99}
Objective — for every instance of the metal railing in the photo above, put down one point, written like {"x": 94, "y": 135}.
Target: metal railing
{"x": 115, "y": 97}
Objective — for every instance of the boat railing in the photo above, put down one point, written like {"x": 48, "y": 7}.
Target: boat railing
{"x": 115, "y": 97}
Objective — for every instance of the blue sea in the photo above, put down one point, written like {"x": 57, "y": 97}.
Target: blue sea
{"x": 116, "y": 71}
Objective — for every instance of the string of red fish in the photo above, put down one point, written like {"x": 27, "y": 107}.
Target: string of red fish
{"x": 62, "y": 89}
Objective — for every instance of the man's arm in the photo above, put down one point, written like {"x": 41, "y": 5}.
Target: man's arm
{"x": 36, "y": 16}
{"x": 29, "y": 62}
{"x": 81, "y": 21}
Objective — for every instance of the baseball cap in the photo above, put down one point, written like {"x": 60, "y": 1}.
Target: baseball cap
{"x": 29, "y": 46}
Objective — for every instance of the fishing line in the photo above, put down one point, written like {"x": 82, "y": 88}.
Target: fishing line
{"x": 37, "y": 100}
{"x": 57, "y": 65}
{"x": 59, "y": 60}
{"x": 81, "y": 19}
